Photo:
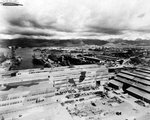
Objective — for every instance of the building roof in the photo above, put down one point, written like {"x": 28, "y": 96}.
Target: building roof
{"x": 137, "y": 74}
{"x": 142, "y": 81}
{"x": 125, "y": 75}
{"x": 135, "y": 79}
{"x": 145, "y": 71}
{"x": 141, "y": 74}
{"x": 148, "y": 69}
{"x": 139, "y": 92}
{"x": 117, "y": 83}
{"x": 132, "y": 83}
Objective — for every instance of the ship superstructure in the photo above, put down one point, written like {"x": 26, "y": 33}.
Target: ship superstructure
{"x": 10, "y": 61}
{"x": 5, "y": 66}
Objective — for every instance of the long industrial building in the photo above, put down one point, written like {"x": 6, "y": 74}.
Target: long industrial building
{"x": 135, "y": 83}
{"x": 61, "y": 77}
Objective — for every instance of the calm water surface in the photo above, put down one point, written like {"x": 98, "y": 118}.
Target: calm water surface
{"x": 26, "y": 54}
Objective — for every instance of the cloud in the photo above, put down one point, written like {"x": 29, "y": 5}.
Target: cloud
{"x": 108, "y": 31}
{"x": 80, "y": 18}
{"x": 24, "y": 22}
{"x": 28, "y": 32}
{"x": 25, "y": 19}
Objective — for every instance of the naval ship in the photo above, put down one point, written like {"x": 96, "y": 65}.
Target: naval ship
{"x": 5, "y": 66}
{"x": 10, "y": 61}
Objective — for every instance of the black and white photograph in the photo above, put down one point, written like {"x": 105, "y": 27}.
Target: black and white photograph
{"x": 74, "y": 59}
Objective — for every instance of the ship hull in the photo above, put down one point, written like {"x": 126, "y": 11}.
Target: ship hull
{"x": 37, "y": 61}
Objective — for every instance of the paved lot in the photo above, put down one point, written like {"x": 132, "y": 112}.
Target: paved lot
{"x": 128, "y": 109}
{"x": 48, "y": 112}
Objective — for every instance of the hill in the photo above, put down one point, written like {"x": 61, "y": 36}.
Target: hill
{"x": 24, "y": 42}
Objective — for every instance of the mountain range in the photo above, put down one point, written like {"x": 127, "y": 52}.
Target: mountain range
{"x": 25, "y": 42}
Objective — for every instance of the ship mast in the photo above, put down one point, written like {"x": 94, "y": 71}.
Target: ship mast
{"x": 13, "y": 51}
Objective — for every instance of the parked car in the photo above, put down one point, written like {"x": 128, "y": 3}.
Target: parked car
{"x": 140, "y": 102}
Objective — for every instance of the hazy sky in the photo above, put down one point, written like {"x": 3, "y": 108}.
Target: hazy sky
{"x": 103, "y": 19}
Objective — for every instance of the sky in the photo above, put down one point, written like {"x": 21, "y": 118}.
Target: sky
{"x": 67, "y": 19}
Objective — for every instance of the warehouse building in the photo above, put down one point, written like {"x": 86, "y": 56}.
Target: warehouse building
{"x": 135, "y": 83}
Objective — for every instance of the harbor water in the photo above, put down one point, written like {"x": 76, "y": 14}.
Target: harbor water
{"x": 26, "y": 54}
